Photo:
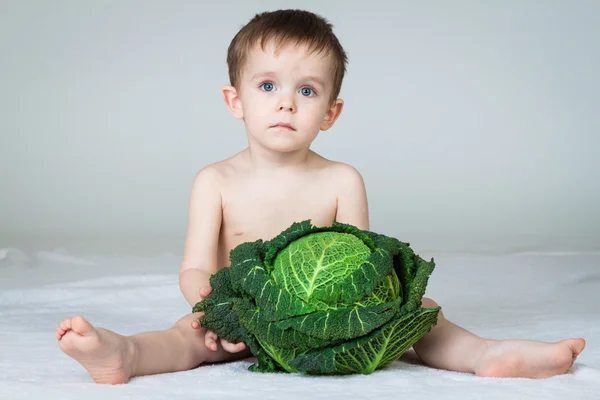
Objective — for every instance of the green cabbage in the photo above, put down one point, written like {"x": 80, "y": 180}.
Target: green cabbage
{"x": 321, "y": 300}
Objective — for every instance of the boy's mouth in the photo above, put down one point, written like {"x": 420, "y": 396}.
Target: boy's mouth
{"x": 283, "y": 126}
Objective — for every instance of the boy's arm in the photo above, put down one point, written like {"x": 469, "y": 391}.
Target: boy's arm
{"x": 352, "y": 204}
{"x": 201, "y": 248}
{"x": 202, "y": 238}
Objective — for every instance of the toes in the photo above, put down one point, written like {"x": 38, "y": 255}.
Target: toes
{"x": 65, "y": 324}
{"x": 63, "y": 327}
{"x": 81, "y": 326}
{"x": 576, "y": 346}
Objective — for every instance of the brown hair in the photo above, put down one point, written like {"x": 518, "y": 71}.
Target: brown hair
{"x": 285, "y": 26}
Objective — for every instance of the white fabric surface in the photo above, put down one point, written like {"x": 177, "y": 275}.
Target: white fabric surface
{"x": 533, "y": 296}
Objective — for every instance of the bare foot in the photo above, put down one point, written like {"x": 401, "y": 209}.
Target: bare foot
{"x": 104, "y": 354}
{"x": 527, "y": 358}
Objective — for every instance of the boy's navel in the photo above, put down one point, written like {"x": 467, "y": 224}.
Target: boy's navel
{"x": 238, "y": 233}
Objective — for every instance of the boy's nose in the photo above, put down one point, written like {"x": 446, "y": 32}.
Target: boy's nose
{"x": 286, "y": 108}
{"x": 286, "y": 105}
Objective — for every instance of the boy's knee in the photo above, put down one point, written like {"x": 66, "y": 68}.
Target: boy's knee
{"x": 428, "y": 303}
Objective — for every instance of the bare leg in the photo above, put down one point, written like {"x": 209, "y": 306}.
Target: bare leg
{"x": 113, "y": 358}
{"x": 448, "y": 346}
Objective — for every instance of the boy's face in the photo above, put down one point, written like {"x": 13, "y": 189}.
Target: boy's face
{"x": 284, "y": 98}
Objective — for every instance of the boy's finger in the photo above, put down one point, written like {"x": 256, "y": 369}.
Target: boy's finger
{"x": 205, "y": 291}
{"x": 196, "y": 322}
{"x": 232, "y": 347}
{"x": 210, "y": 340}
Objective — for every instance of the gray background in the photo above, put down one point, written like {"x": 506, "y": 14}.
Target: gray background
{"x": 474, "y": 123}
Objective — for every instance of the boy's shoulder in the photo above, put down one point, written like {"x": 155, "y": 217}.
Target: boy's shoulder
{"x": 349, "y": 179}
{"x": 211, "y": 178}
{"x": 345, "y": 170}
{"x": 342, "y": 171}
{"x": 217, "y": 172}
{"x": 341, "y": 176}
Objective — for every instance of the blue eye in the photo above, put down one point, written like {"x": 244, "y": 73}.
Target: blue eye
{"x": 267, "y": 86}
{"x": 307, "y": 91}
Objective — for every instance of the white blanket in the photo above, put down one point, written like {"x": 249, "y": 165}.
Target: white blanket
{"x": 533, "y": 296}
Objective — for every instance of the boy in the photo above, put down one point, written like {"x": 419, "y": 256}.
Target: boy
{"x": 286, "y": 69}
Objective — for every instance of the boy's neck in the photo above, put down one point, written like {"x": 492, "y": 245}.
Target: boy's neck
{"x": 265, "y": 160}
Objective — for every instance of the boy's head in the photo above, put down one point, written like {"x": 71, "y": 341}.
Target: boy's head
{"x": 286, "y": 69}
{"x": 288, "y": 27}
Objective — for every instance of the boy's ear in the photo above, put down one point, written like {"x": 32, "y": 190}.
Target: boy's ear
{"x": 332, "y": 114}
{"x": 233, "y": 101}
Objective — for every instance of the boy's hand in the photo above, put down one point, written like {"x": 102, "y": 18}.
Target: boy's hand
{"x": 211, "y": 338}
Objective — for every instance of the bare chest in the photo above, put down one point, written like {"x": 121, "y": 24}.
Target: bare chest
{"x": 251, "y": 214}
